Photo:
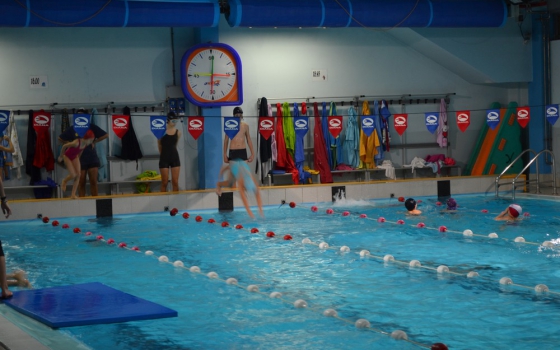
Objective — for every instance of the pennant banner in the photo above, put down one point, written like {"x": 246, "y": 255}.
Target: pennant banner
{"x": 41, "y": 121}
{"x": 523, "y": 116}
{"x": 552, "y": 113}
{"x": 301, "y": 125}
{"x": 81, "y": 123}
{"x": 463, "y": 120}
{"x": 4, "y": 120}
{"x": 195, "y": 126}
{"x": 158, "y": 125}
{"x": 492, "y": 118}
{"x": 231, "y": 126}
{"x": 266, "y": 126}
{"x": 368, "y": 125}
{"x": 432, "y": 121}
{"x": 401, "y": 123}
{"x": 335, "y": 125}
{"x": 121, "y": 124}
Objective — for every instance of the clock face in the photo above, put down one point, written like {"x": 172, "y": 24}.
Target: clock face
{"x": 211, "y": 75}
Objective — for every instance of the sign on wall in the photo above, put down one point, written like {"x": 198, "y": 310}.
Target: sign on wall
{"x": 38, "y": 82}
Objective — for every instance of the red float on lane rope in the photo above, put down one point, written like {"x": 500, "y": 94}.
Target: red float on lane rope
{"x": 270, "y": 234}
{"x": 225, "y": 224}
{"x": 292, "y": 204}
{"x": 198, "y": 218}
{"x": 442, "y": 229}
{"x": 46, "y": 219}
{"x": 211, "y": 221}
{"x": 287, "y": 237}
{"x": 254, "y": 230}
{"x": 55, "y": 223}
{"x": 239, "y": 226}
{"x": 186, "y": 215}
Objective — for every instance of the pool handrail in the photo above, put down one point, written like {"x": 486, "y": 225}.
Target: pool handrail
{"x": 535, "y": 157}
{"x": 537, "y": 164}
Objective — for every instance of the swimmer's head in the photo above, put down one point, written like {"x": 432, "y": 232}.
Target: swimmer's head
{"x": 89, "y": 135}
{"x": 514, "y": 210}
{"x": 451, "y": 204}
{"x": 236, "y": 111}
{"x": 410, "y": 204}
{"x": 172, "y": 117}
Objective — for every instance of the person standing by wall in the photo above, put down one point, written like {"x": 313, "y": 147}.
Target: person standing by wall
{"x": 168, "y": 154}
{"x": 71, "y": 153}
{"x": 89, "y": 161}
{"x": 237, "y": 147}
{"x": 6, "y": 293}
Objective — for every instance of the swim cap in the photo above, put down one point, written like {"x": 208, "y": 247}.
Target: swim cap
{"x": 451, "y": 204}
{"x": 237, "y": 110}
{"x": 89, "y": 135}
{"x": 515, "y": 210}
{"x": 410, "y": 204}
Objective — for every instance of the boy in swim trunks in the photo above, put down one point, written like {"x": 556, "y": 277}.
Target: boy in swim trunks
{"x": 240, "y": 173}
{"x": 511, "y": 213}
{"x": 237, "y": 148}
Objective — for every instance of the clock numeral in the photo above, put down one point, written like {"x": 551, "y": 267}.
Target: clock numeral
{"x": 212, "y": 92}
{"x": 211, "y": 57}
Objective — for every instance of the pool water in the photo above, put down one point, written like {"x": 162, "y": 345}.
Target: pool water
{"x": 430, "y": 307}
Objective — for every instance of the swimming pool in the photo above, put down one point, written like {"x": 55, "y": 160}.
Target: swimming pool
{"x": 430, "y": 307}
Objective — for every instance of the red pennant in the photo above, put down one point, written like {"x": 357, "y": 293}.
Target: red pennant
{"x": 463, "y": 120}
{"x": 121, "y": 124}
{"x": 523, "y": 116}
{"x": 401, "y": 123}
{"x": 266, "y": 126}
{"x": 196, "y": 126}
{"x": 41, "y": 121}
{"x": 335, "y": 125}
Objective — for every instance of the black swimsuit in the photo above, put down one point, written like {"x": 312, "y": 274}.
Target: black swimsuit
{"x": 169, "y": 156}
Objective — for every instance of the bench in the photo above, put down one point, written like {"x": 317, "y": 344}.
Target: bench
{"x": 115, "y": 189}
{"x": 316, "y": 178}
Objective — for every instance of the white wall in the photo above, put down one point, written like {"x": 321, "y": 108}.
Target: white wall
{"x": 277, "y": 63}
{"x": 88, "y": 66}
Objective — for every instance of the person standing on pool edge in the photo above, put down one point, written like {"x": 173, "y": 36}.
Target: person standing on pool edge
{"x": 168, "y": 154}
{"x": 89, "y": 161}
{"x": 6, "y": 293}
{"x": 237, "y": 148}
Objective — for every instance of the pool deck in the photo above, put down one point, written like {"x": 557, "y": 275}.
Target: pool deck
{"x": 13, "y": 338}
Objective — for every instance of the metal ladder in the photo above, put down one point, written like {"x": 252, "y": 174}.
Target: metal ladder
{"x": 535, "y": 157}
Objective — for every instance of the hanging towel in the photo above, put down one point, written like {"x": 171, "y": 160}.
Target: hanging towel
{"x": 336, "y": 146}
{"x": 351, "y": 144}
{"x": 273, "y": 140}
{"x": 130, "y": 146}
{"x": 285, "y": 161}
{"x": 264, "y": 146}
{"x": 385, "y": 115}
{"x": 368, "y": 145}
{"x": 377, "y": 120}
{"x": 6, "y": 159}
{"x": 44, "y": 157}
{"x": 326, "y": 134}
{"x": 320, "y": 154}
{"x": 101, "y": 150}
{"x": 288, "y": 128}
{"x": 17, "y": 157}
{"x": 441, "y": 132}
{"x": 31, "y": 170}
{"x": 299, "y": 151}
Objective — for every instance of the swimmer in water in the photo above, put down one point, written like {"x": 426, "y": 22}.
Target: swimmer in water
{"x": 410, "y": 205}
{"x": 511, "y": 213}
{"x": 240, "y": 174}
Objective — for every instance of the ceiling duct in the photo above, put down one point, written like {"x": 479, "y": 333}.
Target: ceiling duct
{"x": 109, "y": 13}
{"x": 367, "y": 13}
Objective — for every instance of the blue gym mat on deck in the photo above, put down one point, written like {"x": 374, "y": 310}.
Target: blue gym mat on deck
{"x": 85, "y": 304}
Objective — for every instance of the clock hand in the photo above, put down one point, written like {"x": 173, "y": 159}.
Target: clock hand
{"x": 212, "y": 75}
{"x": 202, "y": 74}
{"x": 221, "y": 75}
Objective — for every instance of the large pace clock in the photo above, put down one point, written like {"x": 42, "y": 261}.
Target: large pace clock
{"x": 211, "y": 75}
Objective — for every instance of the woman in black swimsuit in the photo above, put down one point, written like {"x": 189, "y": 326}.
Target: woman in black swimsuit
{"x": 168, "y": 155}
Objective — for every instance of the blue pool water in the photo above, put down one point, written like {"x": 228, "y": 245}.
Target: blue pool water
{"x": 464, "y": 313}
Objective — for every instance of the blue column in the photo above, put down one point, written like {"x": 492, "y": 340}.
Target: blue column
{"x": 210, "y": 143}
{"x": 537, "y": 96}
